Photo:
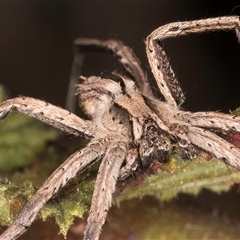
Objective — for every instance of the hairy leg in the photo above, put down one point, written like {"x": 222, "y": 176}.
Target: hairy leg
{"x": 78, "y": 59}
{"x": 48, "y": 113}
{"x": 215, "y": 145}
{"x": 158, "y": 60}
{"x": 213, "y": 120}
{"x": 73, "y": 166}
{"x": 123, "y": 53}
{"x": 104, "y": 188}
{"x": 131, "y": 164}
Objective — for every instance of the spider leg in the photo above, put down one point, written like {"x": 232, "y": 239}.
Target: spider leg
{"x": 123, "y": 53}
{"x": 213, "y": 120}
{"x": 157, "y": 58}
{"x": 216, "y": 145}
{"x": 73, "y": 166}
{"x": 48, "y": 113}
{"x": 131, "y": 164}
{"x": 74, "y": 79}
{"x": 104, "y": 188}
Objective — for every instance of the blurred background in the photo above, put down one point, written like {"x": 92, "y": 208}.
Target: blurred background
{"x": 36, "y": 46}
{"x": 36, "y": 55}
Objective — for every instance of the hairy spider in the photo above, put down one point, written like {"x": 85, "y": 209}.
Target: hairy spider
{"x": 129, "y": 128}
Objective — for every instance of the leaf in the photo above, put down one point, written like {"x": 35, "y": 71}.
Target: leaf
{"x": 69, "y": 205}
{"x": 23, "y": 146}
{"x": 21, "y": 139}
{"x": 12, "y": 199}
{"x": 189, "y": 177}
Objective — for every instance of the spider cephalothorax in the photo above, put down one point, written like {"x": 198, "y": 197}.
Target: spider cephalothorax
{"x": 129, "y": 128}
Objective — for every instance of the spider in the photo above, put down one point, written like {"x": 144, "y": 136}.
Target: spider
{"x": 129, "y": 127}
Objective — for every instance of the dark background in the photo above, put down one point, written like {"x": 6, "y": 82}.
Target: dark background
{"x": 36, "y": 46}
{"x": 36, "y": 52}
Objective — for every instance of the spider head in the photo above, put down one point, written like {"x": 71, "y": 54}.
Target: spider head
{"x": 154, "y": 144}
{"x": 96, "y": 95}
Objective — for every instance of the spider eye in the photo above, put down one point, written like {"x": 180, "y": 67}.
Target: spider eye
{"x": 183, "y": 143}
{"x": 148, "y": 120}
{"x": 151, "y": 127}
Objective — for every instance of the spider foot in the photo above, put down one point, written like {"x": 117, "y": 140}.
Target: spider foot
{"x": 4, "y": 110}
{"x": 92, "y": 231}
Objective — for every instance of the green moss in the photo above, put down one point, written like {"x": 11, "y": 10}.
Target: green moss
{"x": 21, "y": 139}
{"x": 70, "y": 204}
